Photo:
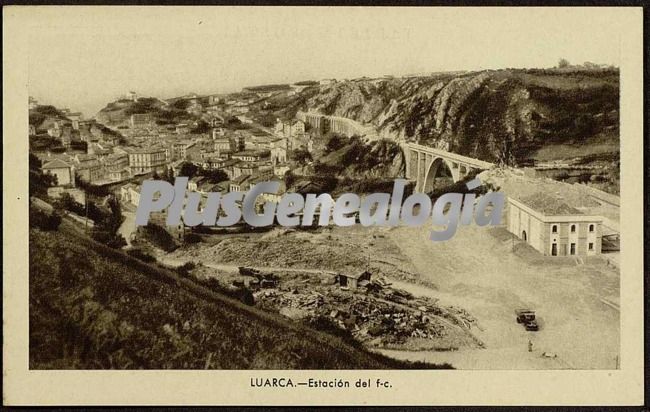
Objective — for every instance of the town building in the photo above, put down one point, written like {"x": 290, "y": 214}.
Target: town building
{"x": 280, "y": 169}
{"x": 250, "y": 155}
{"x": 238, "y": 184}
{"x": 194, "y": 183}
{"x": 182, "y": 128}
{"x": 131, "y": 95}
{"x": 553, "y": 227}
{"x": 218, "y": 132}
{"x": 88, "y": 168}
{"x": 116, "y": 161}
{"x": 278, "y": 155}
{"x": 146, "y": 160}
{"x": 244, "y": 168}
{"x": 214, "y": 100}
{"x": 228, "y": 167}
{"x": 140, "y": 120}
{"x": 223, "y": 145}
{"x": 130, "y": 193}
{"x": 212, "y": 163}
{"x": 75, "y": 118}
{"x": 289, "y": 128}
{"x": 180, "y": 149}
{"x": 63, "y": 171}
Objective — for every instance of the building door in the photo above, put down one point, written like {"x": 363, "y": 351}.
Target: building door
{"x": 523, "y": 235}
{"x": 573, "y": 248}
{"x": 554, "y": 249}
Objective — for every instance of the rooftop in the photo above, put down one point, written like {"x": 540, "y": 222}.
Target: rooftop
{"x": 549, "y": 205}
{"x": 241, "y": 179}
{"x": 55, "y": 164}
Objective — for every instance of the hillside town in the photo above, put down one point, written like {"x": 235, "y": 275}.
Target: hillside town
{"x": 374, "y": 283}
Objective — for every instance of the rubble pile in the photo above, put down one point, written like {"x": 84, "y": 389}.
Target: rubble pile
{"x": 375, "y": 313}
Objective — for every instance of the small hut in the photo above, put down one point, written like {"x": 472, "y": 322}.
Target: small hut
{"x": 353, "y": 281}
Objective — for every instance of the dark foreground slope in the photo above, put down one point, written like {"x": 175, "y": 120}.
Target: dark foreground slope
{"x": 92, "y": 307}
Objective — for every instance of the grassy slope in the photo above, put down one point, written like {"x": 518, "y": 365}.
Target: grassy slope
{"x": 92, "y": 307}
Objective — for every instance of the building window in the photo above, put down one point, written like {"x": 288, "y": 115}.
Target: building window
{"x": 554, "y": 249}
{"x": 554, "y": 229}
{"x": 591, "y": 228}
{"x": 573, "y": 249}
{"x": 573, "y": 228}
{"x": 591, "y": 246}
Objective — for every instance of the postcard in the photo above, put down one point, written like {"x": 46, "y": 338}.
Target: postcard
{"x": 223, "y": 205}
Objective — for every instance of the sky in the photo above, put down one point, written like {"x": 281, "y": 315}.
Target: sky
{"x": 84, "y": 57}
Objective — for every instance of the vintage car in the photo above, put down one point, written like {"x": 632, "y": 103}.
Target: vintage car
{"x": 527, "y": 318}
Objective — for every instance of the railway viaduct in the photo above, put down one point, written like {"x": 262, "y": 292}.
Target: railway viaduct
{"x": 423, "y": 165}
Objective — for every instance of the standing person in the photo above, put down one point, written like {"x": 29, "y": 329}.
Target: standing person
{"x": 530, "y": 346}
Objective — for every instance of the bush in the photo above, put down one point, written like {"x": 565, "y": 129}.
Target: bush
{"x": 192, "y": 238}
{"x": 159, "y": 237}
{"x": 141, "y": 255}
{"x": 185, "y": 269}
{"x": 43, "y": 220}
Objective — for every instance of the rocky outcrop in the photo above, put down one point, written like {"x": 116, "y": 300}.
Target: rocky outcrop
{"x": 498, "y": 116}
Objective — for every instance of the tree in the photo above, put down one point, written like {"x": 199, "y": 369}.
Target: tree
{"x": 301, "y": 156}
{"x": 39, "y": 181}
{"x": 289, "y": 178}
{"x": 201, "y": 127}
{"x": 335, "y": 142}
{"x": 106, "y": 229}
{"x": 188, "y": 169}
{"x": 563, "y": 63}
{"x": 214, "y": 175}
{"x": 67, "y": 202}
{"x": 168, "y": 175}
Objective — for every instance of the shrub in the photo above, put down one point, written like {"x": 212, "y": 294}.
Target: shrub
{"x": 185, "y": 269}
{"x": 159, "y": 237}
{"x": 43, "y": 220}
{"x": 192, "y": 238}
{"x": 141, "y": 255}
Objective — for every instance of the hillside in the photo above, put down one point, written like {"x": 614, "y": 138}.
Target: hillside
{"x": 505, "y": 115}
{"x": 119, "y": 112}
{"x": 109, "y": 310}
{"x": 43, "y": 117}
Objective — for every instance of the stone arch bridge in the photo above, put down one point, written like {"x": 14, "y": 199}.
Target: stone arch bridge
{"x": 423, "y": 165}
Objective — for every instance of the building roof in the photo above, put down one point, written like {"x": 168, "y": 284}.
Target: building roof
{"x": 56, "y": 164}
{"x": 549, "y": 205}
{"x": 241, "y": 179}
{"x": 357, "y": 275}
{"x": 143, "y": 150}
{"x": 247, "y": 165}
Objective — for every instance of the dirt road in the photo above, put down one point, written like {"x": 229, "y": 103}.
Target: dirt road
{"x": 166, "y": 260}
{"x": 478, "y": 270}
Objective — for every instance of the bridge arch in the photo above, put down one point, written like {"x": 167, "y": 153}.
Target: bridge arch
{"x": 423, "y": 165}
{"x": 437, "y": 168}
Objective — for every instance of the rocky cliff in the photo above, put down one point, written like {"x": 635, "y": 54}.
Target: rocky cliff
{"x": 499, "y": 116}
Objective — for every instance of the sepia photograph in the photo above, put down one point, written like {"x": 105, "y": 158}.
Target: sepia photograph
{"x": 325, "y": 188}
